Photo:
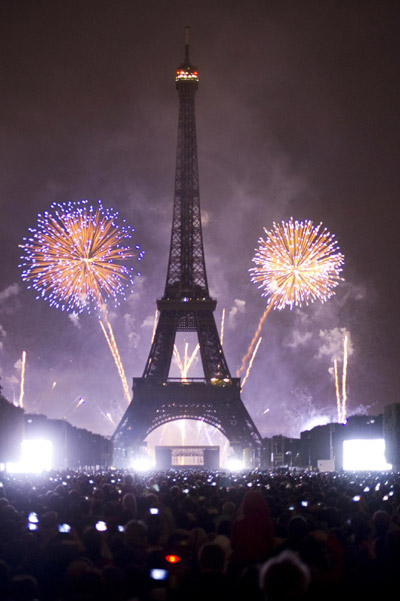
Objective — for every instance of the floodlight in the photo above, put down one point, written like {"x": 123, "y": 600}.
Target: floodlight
{"x": 365, "y": 454}
{"x": 36, "y": 457}
{"x": 234, "y": 465}
{"x": 142, "y": 464}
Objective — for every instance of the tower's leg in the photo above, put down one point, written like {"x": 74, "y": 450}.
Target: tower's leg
{"x": 212, "y": 355}
{"x": 160, "y": 356}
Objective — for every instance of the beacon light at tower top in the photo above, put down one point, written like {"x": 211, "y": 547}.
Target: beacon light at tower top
{"x": 186, "y": 74}
{"x": 297, "y": 263}
{"x": 73, "y": 257}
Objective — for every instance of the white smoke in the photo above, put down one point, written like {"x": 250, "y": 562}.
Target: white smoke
{"x": 238, "y": 307}
{"x": 137, "y": 293}
{"x": 298, "y": 339}
{"x": 18, "y": 364}
{"x": 74, "y": 317}
{"x": 11, "y": 380}
{"x": 205, "y": 218}
{"x": 332, "y": 344}
{"x": 148, "y": 321}
{"x": 300, "y": 413}
{"x": 133, "y": 336}
{"x": 111, "y": 315}
{"x": 11, "y": 290}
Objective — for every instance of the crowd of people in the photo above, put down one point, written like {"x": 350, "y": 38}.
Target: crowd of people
{"x": 197, "y": 535}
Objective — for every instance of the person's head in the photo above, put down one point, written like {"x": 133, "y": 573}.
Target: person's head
{"x": 24, "y": 587}
{"x": 136, "y": 533}
{"x": 83, "y": 580}
{"x": 297, "y": 528}
{"x": 381, "y": 521}
{"x": 229, "y": 509}
{"x": 284, "y": 578}
{"x": 92, "y": 540}
{"x": 128, "y": 480}
{"x": 212, "y": 558}
{"x": 5, "y": 576}
{"x": 129, "y": 502}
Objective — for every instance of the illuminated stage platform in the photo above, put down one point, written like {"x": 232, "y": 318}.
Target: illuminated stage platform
{"x": 187, "y": 457}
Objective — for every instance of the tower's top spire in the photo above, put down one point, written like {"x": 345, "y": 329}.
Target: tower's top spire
{"x": 186, "y": 71}
{"x": 187, "y": 39}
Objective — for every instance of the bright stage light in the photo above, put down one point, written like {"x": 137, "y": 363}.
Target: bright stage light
{"x": 234, "y": 465}
{"x": 365, "y": 454}
{"x": 36, "y": 457}
{"x": 142, "y": 464}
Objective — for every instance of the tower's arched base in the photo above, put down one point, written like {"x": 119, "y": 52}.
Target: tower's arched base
{"x": 159, "y": 402}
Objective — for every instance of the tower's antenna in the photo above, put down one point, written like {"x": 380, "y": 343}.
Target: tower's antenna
{"x": 187, "y": 30}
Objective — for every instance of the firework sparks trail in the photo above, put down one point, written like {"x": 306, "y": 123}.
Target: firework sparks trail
{"x": 296, "y": 263}
{"x": 341, "y": 401}
{"x": 183, "y": 431}
{"x": 185, "y": 358}
{"x": 251, "y": 361}
{"x": 107, "y": 416}
{"x": 187, "y": 362}
{"x": 163, "y": 433}
{"x": 192, "y": 357}
{"x": 110, "y": 418}
{"x": 253, "y": 342}
{"x": 178, "y": 359}
{"x": 338, "y": 400}
{"x": 119, "y": 362}
{"x": 73, "y": 406}
{"x": 72, "y": 259}
{"x": 203, "y": 426}
{"x": 79, "y": 403}
{"x": 109, "y": 336}
{"x": 208, "y": 431}
{"x": 344, "y": 377}
{"x": 116, "y": 356}
{"x": 222, "y": 326}
{"x": 184, "y": 367}
{"x": 22, "y": 383}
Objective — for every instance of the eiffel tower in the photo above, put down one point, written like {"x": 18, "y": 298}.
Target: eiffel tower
{"x": 186, "y": 307}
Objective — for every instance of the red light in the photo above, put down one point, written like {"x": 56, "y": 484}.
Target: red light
{"x": 172, "y": 558}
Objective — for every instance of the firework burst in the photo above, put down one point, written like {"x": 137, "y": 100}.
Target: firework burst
{"x": 296, "y": 263}
{"x": 73, "y": 256}
{"x": 73, "y": 260}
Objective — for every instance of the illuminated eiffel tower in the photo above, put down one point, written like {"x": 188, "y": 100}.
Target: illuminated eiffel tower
{"x": 186, "y": 307}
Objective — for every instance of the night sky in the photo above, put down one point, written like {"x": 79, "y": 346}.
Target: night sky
{"x": 297, "y": 115}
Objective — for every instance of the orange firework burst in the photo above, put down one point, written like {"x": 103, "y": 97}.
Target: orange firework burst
{"x": 73, "y": 257}
{"x": 296, "y": 263}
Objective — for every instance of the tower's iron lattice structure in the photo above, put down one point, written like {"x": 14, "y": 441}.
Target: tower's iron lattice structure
{"x": 186, "y": 307}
